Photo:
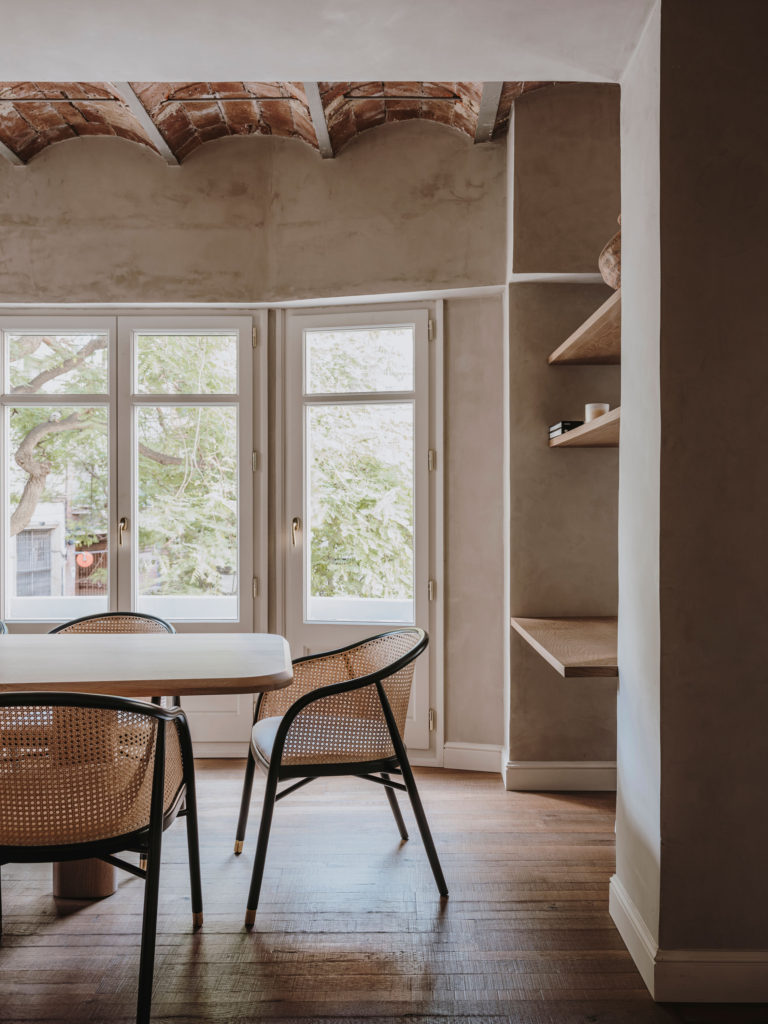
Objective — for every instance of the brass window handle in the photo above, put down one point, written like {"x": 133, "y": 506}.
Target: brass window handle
{"x": 295, "y": 529}
{"x": 122, "y": 526}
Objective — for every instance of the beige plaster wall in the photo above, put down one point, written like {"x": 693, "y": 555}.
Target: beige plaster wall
{"x": 474, "y": 608}
{"x": 408, "y": 206}
{"x": 563, "y": 526}
{"x": 714, "y": 485}
{"x": 567, "y": 182}
{"x": 638, "y": 851}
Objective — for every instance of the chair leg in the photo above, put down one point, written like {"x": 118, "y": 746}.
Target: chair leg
{"x": 149, "y": 929}
{"x": 261, "y": 848}
{"x": 421, "y": 819}
{"x": 245, "y": 801}
{"x": 193, "y": 849}
{"x": 392, "y": 797}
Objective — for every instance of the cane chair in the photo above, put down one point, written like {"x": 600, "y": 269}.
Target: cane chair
{"x": 92, "y": 776}
{"x": 119, "y": 622}
{"x": 3, "y": 627}
{"x": 344, "y": 714}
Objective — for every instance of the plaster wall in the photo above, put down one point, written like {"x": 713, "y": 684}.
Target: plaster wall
{"x": 406, "y": 207}
{"x": 474, "y": 609}
{"x": 563, "y": 524}
{"x": 714, "y": 486}
{"x": 566, "y": 171}
{"x": 638, "y": 844}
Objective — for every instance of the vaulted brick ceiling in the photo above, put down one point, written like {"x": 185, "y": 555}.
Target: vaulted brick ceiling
{"x": 175, "y": 118}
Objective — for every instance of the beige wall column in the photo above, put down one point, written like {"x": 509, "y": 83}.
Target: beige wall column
{"x": 563, "y": 180}
{"x": 693, "y": 746}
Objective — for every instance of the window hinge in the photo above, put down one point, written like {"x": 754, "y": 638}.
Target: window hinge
{"x": 255, "y": 587}
{"x": 255, "y": 337}
{"x": 431, "y": 588}
{"x": 431, "y": 330}
{"x": 255, "y": 461}
{"x": 431, "y": 460}
{"x": 432, "y": 719}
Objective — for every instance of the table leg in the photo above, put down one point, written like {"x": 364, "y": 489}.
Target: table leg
{"x": 90, "y": 879}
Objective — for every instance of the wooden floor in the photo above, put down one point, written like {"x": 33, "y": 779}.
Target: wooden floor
{"x": 350, "y": 925}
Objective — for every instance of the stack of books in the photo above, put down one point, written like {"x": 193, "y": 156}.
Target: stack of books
{"x": 563, "y": 427}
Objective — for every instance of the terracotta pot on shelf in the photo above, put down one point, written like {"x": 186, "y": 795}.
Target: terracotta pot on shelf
{"x": 610, "y": 260}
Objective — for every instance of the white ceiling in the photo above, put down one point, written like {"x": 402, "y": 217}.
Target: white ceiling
{"x": 326, "y": 40}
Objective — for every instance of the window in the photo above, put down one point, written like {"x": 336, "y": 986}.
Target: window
{"x": 126, "y": 464}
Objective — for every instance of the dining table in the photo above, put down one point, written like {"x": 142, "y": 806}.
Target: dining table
{"x": 140, "y": 665}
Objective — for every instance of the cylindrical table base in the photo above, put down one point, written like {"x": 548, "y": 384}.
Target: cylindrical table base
{"x": 90, "y": 879}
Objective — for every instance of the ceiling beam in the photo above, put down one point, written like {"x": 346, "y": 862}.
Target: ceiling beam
{"x": 489, "y": 106}
{"x": 154, "y": 135}
{"x": 317, "y": 113}
{"x": 10, "y": 156}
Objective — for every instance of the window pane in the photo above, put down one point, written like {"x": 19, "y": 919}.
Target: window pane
{"x": 72, "y": 363}
{"x": 359, "y": 360}
{"x": 58, "y": 506}
{"x": 187, "y": 511}
{"x": 186, "y": 364}
{"x": 360, "y": 557}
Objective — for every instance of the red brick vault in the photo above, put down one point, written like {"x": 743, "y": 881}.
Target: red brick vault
{"x": 176, "y": 118}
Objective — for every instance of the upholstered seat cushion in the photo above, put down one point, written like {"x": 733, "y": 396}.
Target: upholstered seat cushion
{"x": 321, "y": 738}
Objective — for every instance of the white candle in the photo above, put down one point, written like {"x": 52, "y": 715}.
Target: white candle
{"x": 595, "y": 409}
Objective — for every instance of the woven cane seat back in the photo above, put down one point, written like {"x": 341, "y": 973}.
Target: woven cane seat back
{"x": 75, "y": 775}
{"x": 119, "y": 622}
{"x": 345, "y": 727}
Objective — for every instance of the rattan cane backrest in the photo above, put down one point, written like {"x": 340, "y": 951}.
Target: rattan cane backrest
{"x": 79, "y": 774}
{"x": 116, "y": 622}
{"x": 346, "y": 726}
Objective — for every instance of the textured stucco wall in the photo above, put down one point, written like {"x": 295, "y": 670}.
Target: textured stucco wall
{"x": 408, "y": 206}
{"x": 474, "y": 609}
{"x": 638, "y": 844}
{"x": 714, "y": 484}
{"x": 563, "y": 524}
{"x": 567, "y": 181}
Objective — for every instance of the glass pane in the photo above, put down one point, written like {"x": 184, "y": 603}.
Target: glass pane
{"x": 71, "y": 363}
{"x": 359, "y": 360}
{"x": 360, "y": 559}
{"x": 187, "y": 511}
{"x": 58, "y": 487}
{"x": 186, "y": 364}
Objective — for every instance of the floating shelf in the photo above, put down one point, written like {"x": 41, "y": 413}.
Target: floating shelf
{"x": 600, "y": 433}
{"x": 575, "y": 647}
{"x": 597, "y": 341}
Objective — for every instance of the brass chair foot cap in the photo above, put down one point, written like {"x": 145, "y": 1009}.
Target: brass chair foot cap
{"x": 239, "y": 845}
{"x": 250, "y": 918}
{"x": 197, "y": 920}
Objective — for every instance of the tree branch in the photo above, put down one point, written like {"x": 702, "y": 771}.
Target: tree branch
{"x": 161, "y": 457}
{"x": 37, "y": 470}
{"x": 64, "y": 367}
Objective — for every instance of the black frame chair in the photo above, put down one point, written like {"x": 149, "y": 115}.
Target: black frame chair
{"x": 147, "y": 841}
{"x": 377, "y": 771}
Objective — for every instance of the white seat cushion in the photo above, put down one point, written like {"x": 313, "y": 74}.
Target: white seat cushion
{"x": 263, "y": 736}
{"x": 330, "y": 739}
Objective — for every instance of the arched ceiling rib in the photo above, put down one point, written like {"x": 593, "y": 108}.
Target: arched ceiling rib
{"x": 33, "y": 115}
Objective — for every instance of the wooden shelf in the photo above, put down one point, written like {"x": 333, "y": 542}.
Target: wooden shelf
{"x": 575, "y": 647}
{"x": 600, "y": 433}
{"x": 597, "y": 341}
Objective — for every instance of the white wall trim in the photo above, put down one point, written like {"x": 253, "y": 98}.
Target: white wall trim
{"x": 213, "y": 749}
{"x": 688, "y": 975}
{"x": 472, "y": 757}
{"x": 635, "y": 933}
{"x": 560, "y": 775}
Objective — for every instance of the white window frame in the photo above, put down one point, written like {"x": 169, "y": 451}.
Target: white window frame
{"x": 252, "y": 432}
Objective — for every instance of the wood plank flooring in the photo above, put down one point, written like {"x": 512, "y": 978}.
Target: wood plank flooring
{"x": 350, "y": 925}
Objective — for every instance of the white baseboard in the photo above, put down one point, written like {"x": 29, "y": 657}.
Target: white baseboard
{"x": 560, "y": 775}
{"x": 688, "y": 975}
{"x": 642, "y": 946}
{"x": 472, "y": 757}
{"x": 203, "y": 750}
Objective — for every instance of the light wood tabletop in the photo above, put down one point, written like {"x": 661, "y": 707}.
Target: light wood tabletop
{"x": 145, "y": 664}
